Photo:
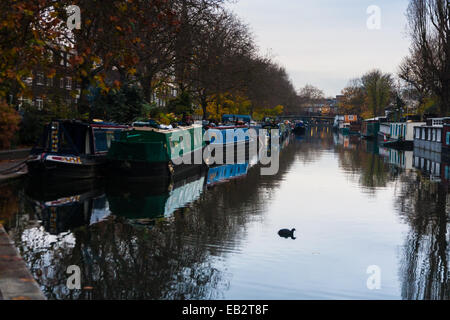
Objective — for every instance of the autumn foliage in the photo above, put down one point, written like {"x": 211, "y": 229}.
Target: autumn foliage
{"x": 9, "y": 124}
{"x": 198, "y": 47}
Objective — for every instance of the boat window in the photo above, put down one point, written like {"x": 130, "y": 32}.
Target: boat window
{"x": 73, "y": 138}
{"x": 447, "y": 138}
{"x": 103, "y": 139}
{"x": 439, "y": 135}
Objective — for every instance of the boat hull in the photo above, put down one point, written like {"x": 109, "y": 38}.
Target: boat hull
{"x": 60, "y": 170}
{"x": 299, "y": 130}
{"x": 144, "y": 170}
{"x": 399, "y": 144}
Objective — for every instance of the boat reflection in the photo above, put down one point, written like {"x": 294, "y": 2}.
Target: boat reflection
{"x": 141, "y": 201}
{"x": 225, "y": 173}
{"x": 61, "y": 210}
{"x": 432, "y": 164}
{"x": 398, "y": 158}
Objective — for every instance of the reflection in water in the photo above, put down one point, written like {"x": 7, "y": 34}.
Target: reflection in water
{"x": 140, "y": 201}
{"x": 225, "y": 173}
{"x": 207, "y": 236}
{"x": 363, "y": 160}
{"x": 424, "y": 266}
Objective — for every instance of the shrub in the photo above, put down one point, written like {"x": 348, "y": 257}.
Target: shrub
{"x": 9, "y": 124}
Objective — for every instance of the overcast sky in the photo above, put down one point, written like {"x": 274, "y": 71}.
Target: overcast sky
{"x": 327, "y": 42}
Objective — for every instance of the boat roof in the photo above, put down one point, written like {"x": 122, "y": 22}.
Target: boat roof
{"x": 95, "y": 124}
{"x": 375, "y": 119}
{"x": 167, "y": 130}
{"x": 236, "y": 116}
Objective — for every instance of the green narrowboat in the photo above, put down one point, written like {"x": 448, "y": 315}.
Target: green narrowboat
{"x": 145, "y": 152}
{"x": 371, "y": 127}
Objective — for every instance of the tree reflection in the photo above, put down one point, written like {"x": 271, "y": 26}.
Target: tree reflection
{"x": 361, "y": 160}
{"x": 424, "y": 263}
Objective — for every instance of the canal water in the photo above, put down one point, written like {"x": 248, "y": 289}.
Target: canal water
{"x": 369, "y": 225}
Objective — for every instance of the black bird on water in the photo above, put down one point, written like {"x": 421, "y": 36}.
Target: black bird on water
{"x": 286, "y": 233}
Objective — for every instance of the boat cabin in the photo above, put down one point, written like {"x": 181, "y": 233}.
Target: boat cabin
{"x": 71, "y": 137}
{"x": 73, "y": 149}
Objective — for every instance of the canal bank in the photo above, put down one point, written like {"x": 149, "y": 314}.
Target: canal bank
{"x": 12, "y": 164}
{"x": 12, "y": 169}
{"x": 16, "y": 282}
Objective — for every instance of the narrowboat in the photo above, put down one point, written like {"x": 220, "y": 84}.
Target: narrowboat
{"x": 285, "y": 130}
{"x": 355, "y": 127}
{"x": 338, "y": 122}
{"x": 446, "y": 141}
{"x": 234, "y": 129}
{"x": 384, "y": 132}
{"x": 349, "y": 125}
{"x": 71, "y": 149}
{"x": 148, "y": 152}
{"x": 344, "y": 128}
{"x": 401, "y": 135}
{"x": 236, "y": 118}
{"x": 431, "y": 136}
{"x": 232, "y": 135}
{"x": 299, "y": 128}
{"x": 371, "y": 127}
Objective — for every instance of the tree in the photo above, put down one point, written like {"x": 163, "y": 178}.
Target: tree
{"x": 182, "y": 105}
{"x": 377, "y": 87}
{"x": 22, "y": 46}
{"x": 428, "y": 66}
{"x": 354, "y": 99}
{"x": 310, "y": 95}
{"x": 123, "y": 105}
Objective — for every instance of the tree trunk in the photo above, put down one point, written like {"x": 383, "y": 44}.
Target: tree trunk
{"x": 84, "y": 106}
{"x": 204, "y": 104}
{"x": 146, "y": 83}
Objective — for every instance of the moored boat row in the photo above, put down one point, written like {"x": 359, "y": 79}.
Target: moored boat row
{"x": 428, "y": 139}
{"x": 70, "y": 149}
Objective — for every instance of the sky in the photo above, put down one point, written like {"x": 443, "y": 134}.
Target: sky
{"x": 326, "y": 43}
